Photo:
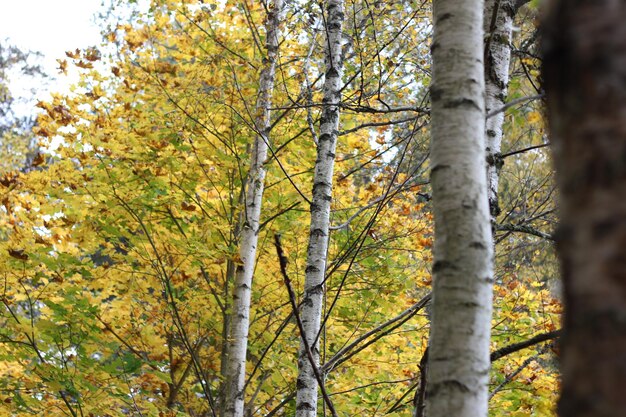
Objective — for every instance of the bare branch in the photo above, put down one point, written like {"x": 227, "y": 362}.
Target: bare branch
{"x": 507, "y": 350}
{"x": 530, "y": 148}
{"x": 294, "y": 305}
{"x": 346, "y": 353}
{"x": 524, "y": 229}
{"x": 513, "y": 103}
{"x": 378, "y": 124}
{"x": 512, "y": 376}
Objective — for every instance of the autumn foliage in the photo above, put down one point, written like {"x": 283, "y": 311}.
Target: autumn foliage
{"x": 118, "y": 249}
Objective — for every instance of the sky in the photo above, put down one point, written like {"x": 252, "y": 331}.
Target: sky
{"x": 50, "y": 27}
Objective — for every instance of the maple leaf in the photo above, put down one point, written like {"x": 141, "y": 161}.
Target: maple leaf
{"x": 62, "y": 66}
{"x": 74, "y": 55}
{"x": 83, "y": 64}
{"x": 8, "y": 179}
{"x": 92, "y": 54}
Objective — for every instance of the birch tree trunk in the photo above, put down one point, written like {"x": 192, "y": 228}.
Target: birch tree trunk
{"x": 458, "y": 369}
{"x": 240, "y": 318}
{"x": 585, "y": 79}
{"x": 307, "y": 388}
{"x": 498, "y": 22}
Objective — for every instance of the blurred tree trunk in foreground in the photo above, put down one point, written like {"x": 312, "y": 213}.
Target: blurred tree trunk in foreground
{"x": 585, "y": 78}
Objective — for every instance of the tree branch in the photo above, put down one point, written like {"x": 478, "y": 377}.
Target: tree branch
{"x": 507, "y": 350}
{"x": 524, "y": 229}
{"x": 530, "y": 148}
{"x": 292, "y": 298}
{"x": 519, "y": 369}
{"x": 403, "y": 317}
{"x": 513, "y": 103}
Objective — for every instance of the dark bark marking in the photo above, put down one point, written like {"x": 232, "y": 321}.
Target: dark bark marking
{"x": 305, "y": 406}
{"x": 495, "y": 159}
{"x": 324, "y": 137}
{"x": 445, "y": 17}
{"x": 318, "y": 233}
{"x": 315, "y": 289}
{"x": 438, "y": 167}
{"x": 471, "y": 304}
{"x": 300, "y": 383}
{"x": 494, "y": 207}
{"x": 461, "y": 102}
{"x": 332, "y": 73}
{"x": 319, "y": 184}
{"x": 435, "y": 92}
{"x": 469, "y": 205}
{"x": 311, "y": 268}
{"x": 441, "y": 265}
{"x": 451, "y": 384}
{"x": 477, "y": 245}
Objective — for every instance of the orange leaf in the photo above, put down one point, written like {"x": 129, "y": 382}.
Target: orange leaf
{"x": 62, "y": 66}
{"x": 73, "y": 55}
{"x": 83, "y": 64}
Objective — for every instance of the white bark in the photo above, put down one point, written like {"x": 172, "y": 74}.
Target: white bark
{"x": 498, "y": 57}
{"x": 307, "y": 388}
{"x": 240, "y": 320}
{"x": 458, "y": 369}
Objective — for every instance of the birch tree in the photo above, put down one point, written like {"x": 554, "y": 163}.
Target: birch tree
{"x": 462, "y": 269}
{"x": 240, "y": 321}
{"x": 498, "y": 23}
{"x": 585, "y": 79}
{"x": 307, "y": 386}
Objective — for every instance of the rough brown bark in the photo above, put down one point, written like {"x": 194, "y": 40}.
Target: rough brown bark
{"x": 585, "y": 80}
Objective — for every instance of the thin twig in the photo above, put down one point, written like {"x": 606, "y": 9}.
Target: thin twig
{"x": 378, "y": 124}
{"x": 292, "y": 298}
{"x": 513, "y": 103}
{"x": 406, "y": 314}
{"x": 530, "y": 148}
{"x": 523, "y": 229}
{"x": 512, "y": 376}
{"x": 280, "y": 213}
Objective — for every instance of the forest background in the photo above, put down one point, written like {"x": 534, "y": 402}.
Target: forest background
{"x": 122, "y": 202}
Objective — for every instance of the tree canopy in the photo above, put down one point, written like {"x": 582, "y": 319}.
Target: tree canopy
{"x": 119, "y": 240}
